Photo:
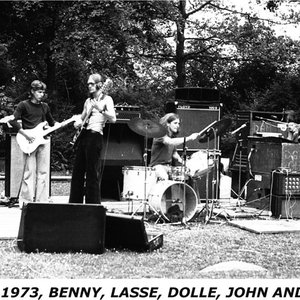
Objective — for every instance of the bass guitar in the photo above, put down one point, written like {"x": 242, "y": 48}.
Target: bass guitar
{"x": 40, "y": 134}
{"x": 104, "y": 89}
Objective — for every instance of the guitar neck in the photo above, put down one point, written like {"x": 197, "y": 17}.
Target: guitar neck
{"x": 53, "y": 128}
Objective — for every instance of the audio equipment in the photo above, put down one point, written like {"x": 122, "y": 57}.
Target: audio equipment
{"x": 125, "y": 112}
{"x": 122, "y": 146}
{"x": 49, "y": 227}
{"x": 202, "y": 94}
{"x": 128, "y": 232}
{"x": 287, "y": 206}
{"x": 284, "y": 183}
{"x": 257, "y": 124}
{"x": 14, "y": 166}
{"x": 271, "y": 153}
{"x": 194, "y": 119}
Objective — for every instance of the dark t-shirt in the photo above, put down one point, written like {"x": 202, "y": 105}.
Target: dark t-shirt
{"x": 161, "y": 153}
{"x": 32, "y": 114}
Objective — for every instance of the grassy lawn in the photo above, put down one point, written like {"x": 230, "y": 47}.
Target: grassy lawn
{"x": 186, "y": 251}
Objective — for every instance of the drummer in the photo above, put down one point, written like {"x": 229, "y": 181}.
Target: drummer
{"x": 164, "y": 149}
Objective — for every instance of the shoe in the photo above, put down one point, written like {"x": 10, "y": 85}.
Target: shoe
{"x": 22, "y": 202}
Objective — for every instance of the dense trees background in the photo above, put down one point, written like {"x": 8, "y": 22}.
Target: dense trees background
{"x": 148, "y": 48}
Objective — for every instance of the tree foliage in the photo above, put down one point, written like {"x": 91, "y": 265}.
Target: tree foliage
{"x": 148, "y": 48}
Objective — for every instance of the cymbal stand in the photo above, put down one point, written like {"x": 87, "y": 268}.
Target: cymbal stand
{"x": 184, "y": 183}
{"x": 145, "y": 201}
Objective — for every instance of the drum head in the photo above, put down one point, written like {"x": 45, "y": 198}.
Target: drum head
{"x": 174, "y": 200}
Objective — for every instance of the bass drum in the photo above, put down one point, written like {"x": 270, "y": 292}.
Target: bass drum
{"x": 167, "y": 197}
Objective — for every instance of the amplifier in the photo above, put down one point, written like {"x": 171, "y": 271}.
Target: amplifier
{"x": 270, "y": 153}
{"x": 285, "y": 183}
{"x": 285, "y": 206}
{"x": 125, "y": 113}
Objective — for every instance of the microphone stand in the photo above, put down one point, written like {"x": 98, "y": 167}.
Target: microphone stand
{"x": 184, "y": 182}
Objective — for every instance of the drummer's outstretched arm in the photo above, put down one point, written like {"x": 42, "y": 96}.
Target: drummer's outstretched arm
{"x": 180, "y": 140}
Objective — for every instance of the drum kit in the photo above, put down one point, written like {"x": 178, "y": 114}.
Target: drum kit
{"x": 171, "y": 199}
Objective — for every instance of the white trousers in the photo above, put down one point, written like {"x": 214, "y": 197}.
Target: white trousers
{"x": 35, "y": 185}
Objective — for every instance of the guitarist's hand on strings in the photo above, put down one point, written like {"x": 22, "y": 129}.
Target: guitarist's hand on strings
{"x": 29, "y": 137}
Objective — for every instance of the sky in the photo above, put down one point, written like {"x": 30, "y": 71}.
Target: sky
{"x": 292, "y": 30}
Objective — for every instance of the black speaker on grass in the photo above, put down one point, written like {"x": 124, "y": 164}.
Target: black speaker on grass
{"x": 128, "y": 233}
{"x": 53, "y": 227}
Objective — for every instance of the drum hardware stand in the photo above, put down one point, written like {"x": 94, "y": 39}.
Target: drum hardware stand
{"x": 183, "y": 221}
{"x": 215, "y": 180}
{"x": 145, "y": 201}
{"x": 241, "y": 190}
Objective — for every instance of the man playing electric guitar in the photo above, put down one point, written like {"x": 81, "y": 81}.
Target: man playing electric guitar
{"x": 33, "y": 112}
{"x": 97, "y": 110}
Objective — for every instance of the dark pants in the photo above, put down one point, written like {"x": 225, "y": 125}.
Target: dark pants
{"x": 87, "y": 169}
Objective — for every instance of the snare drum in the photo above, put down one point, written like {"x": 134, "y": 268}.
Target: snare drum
{"x": 134, "y": 179}
{"x": 178, "y": 173}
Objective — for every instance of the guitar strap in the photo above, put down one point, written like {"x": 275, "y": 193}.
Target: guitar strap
{"x": 98, "y": 99}
{"x": 44, "y": 113}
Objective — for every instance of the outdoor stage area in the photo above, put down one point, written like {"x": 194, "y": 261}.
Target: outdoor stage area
{"x": 225, "y": 210}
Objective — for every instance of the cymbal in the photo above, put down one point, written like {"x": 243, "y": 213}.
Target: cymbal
{"x": 147, "y": 128}
{"x": 219, "y": 128}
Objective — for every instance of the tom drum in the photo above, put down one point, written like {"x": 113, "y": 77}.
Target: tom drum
{"x": 134, "y": 179}
{"x": 198, "y": 164}
{"x": 173, "y": 199}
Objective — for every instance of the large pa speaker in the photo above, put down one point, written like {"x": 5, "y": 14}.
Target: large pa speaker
{"x": 49, "y": 227}
{"x": 129, "y": 233}
{"x": 195, "y": 119}
{"x": 14, "y": 167}
{"x": 197, "y": 93}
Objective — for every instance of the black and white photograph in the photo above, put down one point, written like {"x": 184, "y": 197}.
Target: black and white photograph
{"x": 152, "y": 144}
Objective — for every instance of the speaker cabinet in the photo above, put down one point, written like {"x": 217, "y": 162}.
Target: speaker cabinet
{"x": 197, "y": 93}
{"x": 196, "y": 119}
{"x": 122, "y": 146}
{"x": 48, "y": 227}
{"x": 14, "y": 167}
{"x": 287, "y": 206}
{"x": 128, "y": 232}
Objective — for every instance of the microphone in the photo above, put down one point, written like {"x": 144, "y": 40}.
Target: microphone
{"x": 240, "y": 128}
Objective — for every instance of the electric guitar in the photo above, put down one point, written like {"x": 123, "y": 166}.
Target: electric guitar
{"x": 104, "y": 89}
{"x": 39, "y": 134}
